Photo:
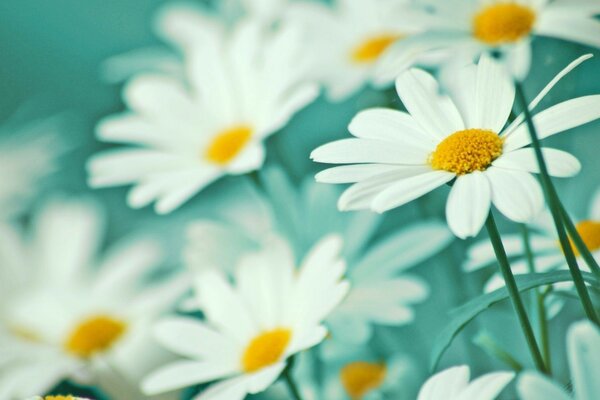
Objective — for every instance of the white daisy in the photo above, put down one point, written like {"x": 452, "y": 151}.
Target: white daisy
{"x": 453, "y": 384}
{"x": 583, "y": 347}
{"x": 350, "y": 37}
{"x": 464, "y": 29}
{"x": 28, "y": 153}
{"x": 462, "y": 138}
{"x": 57, "y": 397}
{"x": 545, "y": 246}
{"x": 68, "y": 313}
{"x": 251, "y": 329}
{"x": 383, "y": 291}
{"x": 239, "y": 89}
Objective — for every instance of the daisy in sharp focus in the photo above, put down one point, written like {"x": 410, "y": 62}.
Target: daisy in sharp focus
{"x": 349, "y": 37}
{"x": 69, "y": 312}
{"x": 239, "y": 88}
{"x": 464, "y": 29}
{"x": 271, "y": 313}
{"x": 453, "y": 384}
{"x": 461, "y": 138}
{"x": 583, "y": 350}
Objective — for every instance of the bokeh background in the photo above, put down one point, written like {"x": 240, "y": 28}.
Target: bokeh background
{"x": 51, "y": 53}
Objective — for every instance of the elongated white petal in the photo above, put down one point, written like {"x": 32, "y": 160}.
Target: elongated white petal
{"x": 583, "y": 343}
{"x": 516, "y": 194}
{"x": 354, "y": 173}
{"x": 230, "y": 389}
{"x": 533, "y": 386}
{"x": 486, "y": 387}
{"x": 574, "y": 28}
{"x": 446, "y": 384}
{"x": 350, "y": 151}
{"x": 468, "y": 204}
{"x": 560, "y": 163}
{"x": 494, "y": 95}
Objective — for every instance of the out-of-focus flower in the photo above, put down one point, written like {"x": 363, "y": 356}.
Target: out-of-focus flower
{"x": 68, "y": 312}
{"x": 28, "y": 153}
{"x": 239, "y": 89}
{"x": 273, "y": 312}
{"x": 462, "y": 138}
{"x": 381, "y": 293}
{"x": 464, "y": 29}
{"x": 583, "y": 347}
{"x": 349, "y": 38}
{"x": 453, "y": 384}
{"x": 57, "y": 397}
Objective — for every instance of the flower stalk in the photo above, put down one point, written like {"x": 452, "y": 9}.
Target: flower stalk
{"x": 289, "y": 380}
{"x": 555, "y": 209}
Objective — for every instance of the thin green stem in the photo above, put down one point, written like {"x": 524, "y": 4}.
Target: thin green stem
{"x": 289, "y": 380}
{"x": 555, "y": 209}
{"x": 539, "y": 301}
{"x": 513, "y": 291}
{"x": 487, "y": 343}
{"x": 579, "y": 243}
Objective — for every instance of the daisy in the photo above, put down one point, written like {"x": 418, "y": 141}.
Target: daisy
{"x": 273, "y": 312}
{"x": 239, "y": 89}
{"x": 28, "y": 153}
{"x": 465, "y": 29}
{"x": 453, "y": 384}
{"x": 583, "y": 346}
{"x": 383, "y": 291}
{"x": 460, "y": 139}
{"x": 57, "y": 397}
{"x": 546, "y": 249}
{"x": 349, "y": 38}
{"x": 68, "y": 312}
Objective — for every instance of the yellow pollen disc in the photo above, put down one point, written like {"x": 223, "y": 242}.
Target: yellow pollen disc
{"x": 59, "y": 398}
{"x": 503, "y": 23}
{"x": 265, "y": 349}
{"x": 467, "y": 151}
{"x": 359, "y": 378}
{"x": 371, "y": 49}
{"x": 228, "y": 144}
{"x": 94, "y": 335}
{"x": 590, "y": 234}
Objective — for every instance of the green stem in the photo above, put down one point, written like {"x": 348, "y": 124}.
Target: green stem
{"x": 513, "y": 291}
{"x": 555, "y": 209}
{"x": 539, "y": 301}
{"x": 579, "y": 243}
{"x": 487, "y": 343}
{"x": 287, "y": 376}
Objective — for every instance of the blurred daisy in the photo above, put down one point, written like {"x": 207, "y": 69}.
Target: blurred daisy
{"x": 461, "y": 139}
{"x": 273, "y": 312}
{"x": 68, "y": 313}
{"x": 382, "y": 291}
{"x": 583, "y": 347}
{"x": 28, "y": 153}
{"x": 239, "y": 89}
{"x": 453, "y": 384}
{"x": 350, "y": 37}
{"x": 57, "y": 397}
{"x": 467, "y": 28}
{"x": 545, "y": 246}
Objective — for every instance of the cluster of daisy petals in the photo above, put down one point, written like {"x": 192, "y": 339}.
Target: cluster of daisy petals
{"x": 284, "y": 285}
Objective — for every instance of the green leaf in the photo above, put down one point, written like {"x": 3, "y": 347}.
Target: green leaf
{"x": 464, "y": 314}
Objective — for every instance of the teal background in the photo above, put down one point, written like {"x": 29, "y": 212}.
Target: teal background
{"x": 50, "y": 57}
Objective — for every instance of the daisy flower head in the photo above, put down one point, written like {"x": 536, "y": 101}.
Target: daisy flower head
{"x": 57, "y": 397}
{"x": 464, "y": 29}
{"x": 67, "y": 311}
{"x": 461, "y": 138}
{"x": 453, "y": 384}
{"x": 583, "y": 348}
{"x": 271, "y": 313}
{"x": 349, "y": 38}
{"x": 240, "y": 87}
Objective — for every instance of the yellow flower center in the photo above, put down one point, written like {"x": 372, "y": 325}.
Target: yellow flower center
{"x": 228, "y": 144}
{"x": 590, "y": 234}
{"x": 69, "y": 397}
{"x": 503, "y": 23}
{"x": 372, "y": 48}
{"x": 94, "y": 335}
{"x": 467, "y": 151}
{"x": 265, "y": 349}
{"x": 359, "y": 378}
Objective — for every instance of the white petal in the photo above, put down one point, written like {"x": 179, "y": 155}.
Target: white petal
{"x": 181, "y": 374}
{"x": 533, "y": 386}
{"x": 558, "y": 118}
{"x": 158, "y": 96}
{"x": 230, "y": 389}
{"x": 353, "y": 173}
{"x": 518, "y": 59}
{"x": 595, "y": 206}
{"x": 446, "y": 384}
{"x": 251, "y": 159}
{"x": 350, "y": 151}
{"x": 435, "y": 112}
{"x": 560, "y": 163}
{"x": 574, "y": 28}
{"x": 494, "y": 95}
{"x": 486, "y": 387}
{"x": 468, "y": 204}
{"x": 409, "y": 189}
{"x": 583, "y": 343}
{"x": 264, "y": 378}
{"x": 518, "y": 195}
